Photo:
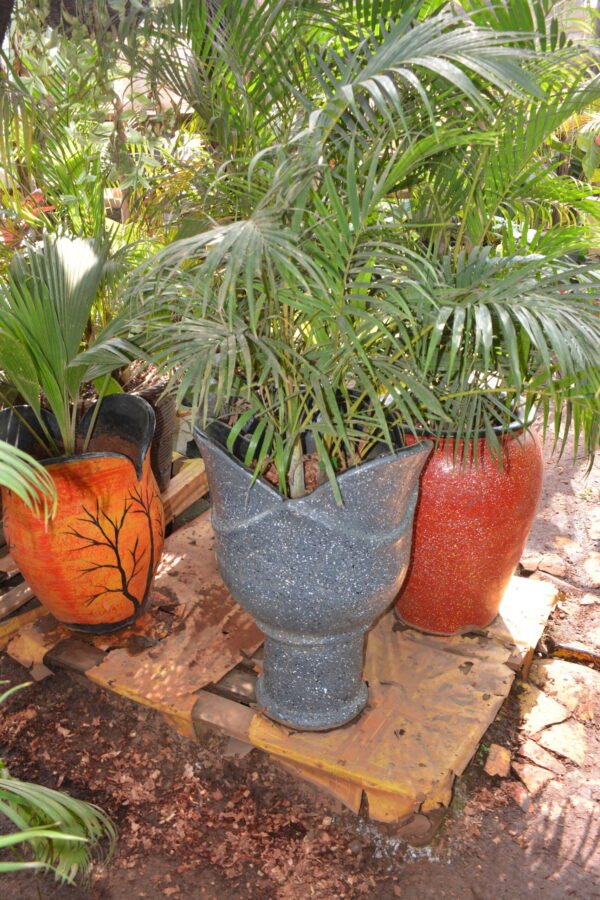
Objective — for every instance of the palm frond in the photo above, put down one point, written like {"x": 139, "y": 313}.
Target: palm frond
{"x": 29, "y": 480}
{"x": 63, "y": 833}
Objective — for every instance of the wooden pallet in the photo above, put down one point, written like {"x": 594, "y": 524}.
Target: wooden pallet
{"x": 196, "y": 656}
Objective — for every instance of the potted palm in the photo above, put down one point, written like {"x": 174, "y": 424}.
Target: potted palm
{"x": 510, "y": 335}
{"x": 515, "y": 329}
{"x": 292, "y": 329}
{"x": 92, "y": 562}
{"x": 61, "y": 832}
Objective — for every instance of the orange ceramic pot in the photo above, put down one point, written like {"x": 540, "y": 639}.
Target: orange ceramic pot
{"x": 92, "y": 565}
{"x": 471, "y": 527}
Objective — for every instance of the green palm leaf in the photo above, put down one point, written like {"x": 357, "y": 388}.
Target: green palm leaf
{"x": 27, "y": 479}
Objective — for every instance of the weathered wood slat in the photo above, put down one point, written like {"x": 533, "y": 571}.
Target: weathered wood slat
{"x": 578, "y": 653}
{"x": 15, "y": 599}
{"x": 8, "y": 567}
{"x": 75, "y": 655}
{"x": 12, "y": 626}
{"x": 211, "y": 713}
{"x": 238, "y": 685}
{"x": 185, "y": 488}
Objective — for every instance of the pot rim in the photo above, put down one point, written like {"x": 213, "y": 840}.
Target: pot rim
{"x": 112, "y": 404}
{"x": 500, "y": 430}
{"x": 402, "y": 452}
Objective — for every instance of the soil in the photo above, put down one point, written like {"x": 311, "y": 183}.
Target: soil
{"x": 314, "y": 473}
{"x": 196, "y": 821}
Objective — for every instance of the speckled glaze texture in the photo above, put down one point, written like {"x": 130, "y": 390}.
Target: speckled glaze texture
{"x": 471, "y": 527}
{"x": 314, "y": 575}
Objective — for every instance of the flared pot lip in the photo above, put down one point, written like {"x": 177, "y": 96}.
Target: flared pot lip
{"x": 119, "y": 403}
{"x": 421, "y": 446}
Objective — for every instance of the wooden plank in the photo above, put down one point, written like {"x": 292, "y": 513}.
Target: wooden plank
{"x": 239, "y": 685}
{"x": 11, "y": 626}
{"x": 210, "y": 642}
{"x": 185, "y": 488}
{"x": 182, "y": 724}
{"x": 15, "y": 599}
{"x": 33, "y": 641}
{"x": 345, "y": 792}
{"x": 385, "y": 806}
{"x": 8, "y": 567}
{"x": 577, "y": 652}
{"x": 75, "y": 655}
{"x": 211, "y": 712}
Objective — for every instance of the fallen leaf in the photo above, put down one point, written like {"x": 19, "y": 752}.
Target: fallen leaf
{"x": 498, "y": 761}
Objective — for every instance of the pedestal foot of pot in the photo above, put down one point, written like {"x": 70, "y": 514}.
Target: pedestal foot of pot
{"x": 312, "y": 684}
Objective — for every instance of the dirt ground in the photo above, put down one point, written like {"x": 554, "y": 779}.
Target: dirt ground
{"x": 196, "y": 822}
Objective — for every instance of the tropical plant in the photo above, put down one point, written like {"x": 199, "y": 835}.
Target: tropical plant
{"x": 76, "y": 156}
{"x": 62, "y": 834}
{"x": 338, "y": 308}
{"x": 45, "y": 305}
{"x": 235, "y": 70}
{"x": 55, "y": 95}
{"x": 26, "y": 478}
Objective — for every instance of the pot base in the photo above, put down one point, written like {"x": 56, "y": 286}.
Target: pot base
{"x": 464, "y": 629}
{"x": 105, "y": 627}
{"x": 310, "y": 682}
{"x": 302, "y": 720}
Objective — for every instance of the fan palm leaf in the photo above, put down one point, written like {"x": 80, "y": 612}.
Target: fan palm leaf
{"x": 27, "y": 479}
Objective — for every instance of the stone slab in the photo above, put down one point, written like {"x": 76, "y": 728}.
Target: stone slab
{"x": 567, "y": 739}
{"x": 575, "y": 686}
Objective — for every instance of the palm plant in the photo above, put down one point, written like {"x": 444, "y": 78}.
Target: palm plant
{"x": 45, "y": 305}
{"x": 27, "y": 479}
{"x": 62, "y": 833}
{"x": 337, "y": 308}
{"x": 510, "y": 334}
{"x": 54, "y": 96}
{"x": 234, "y": 71}
{"x": 516, "y": 321}
{"x": 71, "y": 135}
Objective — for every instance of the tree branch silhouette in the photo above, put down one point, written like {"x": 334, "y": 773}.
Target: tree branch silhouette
{"x": 98, "y": 529}
{"x": 143, "y": 505}
{"x": 100, "y": 521}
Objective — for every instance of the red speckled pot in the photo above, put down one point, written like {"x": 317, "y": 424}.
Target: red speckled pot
{"x": 471, "y": 527}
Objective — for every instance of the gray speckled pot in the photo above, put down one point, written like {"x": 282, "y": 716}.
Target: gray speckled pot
{"x": 313, "y": 574}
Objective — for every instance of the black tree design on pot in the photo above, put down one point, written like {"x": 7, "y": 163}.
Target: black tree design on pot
{"x": 100, "y": 530}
